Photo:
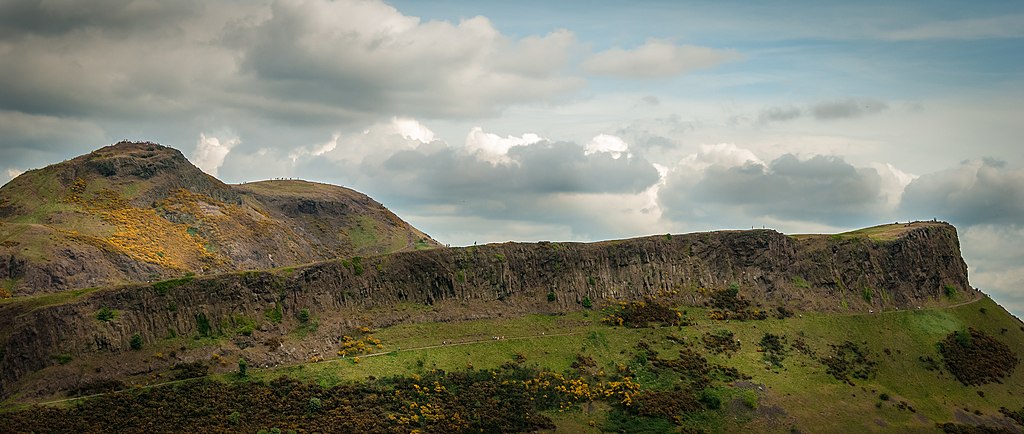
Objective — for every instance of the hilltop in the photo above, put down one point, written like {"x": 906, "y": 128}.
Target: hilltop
{"x": 137, "y": 211}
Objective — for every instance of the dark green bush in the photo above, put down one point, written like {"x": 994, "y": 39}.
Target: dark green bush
{"x": 136, "y": 342}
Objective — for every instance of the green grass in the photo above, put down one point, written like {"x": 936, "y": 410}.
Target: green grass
{"x": 363, "y": 233}
{"x": 37, "y": 301}
{"x": 800, "y": 386}
{"x": 811, "y": 399}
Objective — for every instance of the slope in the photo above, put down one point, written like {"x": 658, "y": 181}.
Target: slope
{"x": 141, "y": 212}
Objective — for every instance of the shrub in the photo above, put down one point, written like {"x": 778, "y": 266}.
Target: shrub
{"x": 195, "y": 369}
{"x": 274, "y": 315}
{"x": 884, "y": 396}
{"x": 587, "y": 304}
{"x": 136, "y": 342}
{"x": 314, "y": 405}
{"x": 642, "y": 313}
{"x": 551, "y": 296}
{"x": 722, "y": 341}
{"x": 950, "y": 290}
{"x": 105, "y": 314}
{"x": 203, "y": 325}
{"x": 243, "y": 368}
{"x": 774, "y": 352}
{"x": 234, "y": 418}
{"x": 162, "y": 287}
{"x": 304, "y": 316}
{"x": 974, "y": 357}
{"x": 849, "y": 360}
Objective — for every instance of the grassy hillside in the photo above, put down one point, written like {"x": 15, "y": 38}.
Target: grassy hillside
{"x": 784, "y": 382}
{"x": 142, "y": 212}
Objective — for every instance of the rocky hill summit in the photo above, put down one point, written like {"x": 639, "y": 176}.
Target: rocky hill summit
{"x": 139, "y": 211}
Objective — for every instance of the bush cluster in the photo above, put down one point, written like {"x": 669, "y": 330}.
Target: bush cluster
{"x": 721, "y": 341}
{"x": 728, "y": 304}
{"x": 643, "y": 313}
{"x": 848, "y": 360}
{"x": 975, "y": 357}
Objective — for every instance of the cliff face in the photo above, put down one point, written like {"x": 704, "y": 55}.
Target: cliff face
{"x": 809, "y": 273}
{"x": 141, "y": 212}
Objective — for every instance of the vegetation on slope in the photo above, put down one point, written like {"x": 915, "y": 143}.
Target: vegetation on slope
{"x": 568, "y": 363}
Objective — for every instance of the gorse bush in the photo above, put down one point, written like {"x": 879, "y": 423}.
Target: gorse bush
{"x": 975, "y": 357}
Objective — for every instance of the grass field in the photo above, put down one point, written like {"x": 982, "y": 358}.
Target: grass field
{"x": 800, "y": 394}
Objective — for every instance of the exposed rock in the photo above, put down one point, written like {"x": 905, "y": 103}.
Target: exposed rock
{"x": 490, "y": 281}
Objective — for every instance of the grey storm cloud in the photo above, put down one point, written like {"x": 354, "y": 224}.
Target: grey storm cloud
{"x": 538, "y": 169}
{"x": 974, "y": 193}
{"x": 529, "y": 189}
{"x": 314, "y": 61}
{"x": 823, "y": 189}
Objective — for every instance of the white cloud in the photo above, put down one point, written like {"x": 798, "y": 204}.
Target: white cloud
{"x": 894, "y": 181}
{"x": 13, "y": 173}
{"x": 607, "y": 143}
{"x": 412, "y": 129}
{"x": 720, "y": 154}
{"x": 210, "y": 152}
{"x": 494, "y": 148}
{"x": 656, "y": 58}
{"x": 316, "y": 150}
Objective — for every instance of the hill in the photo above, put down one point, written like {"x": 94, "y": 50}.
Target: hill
{"x": 733, "y": 331}
{"x": 134, "y": 212}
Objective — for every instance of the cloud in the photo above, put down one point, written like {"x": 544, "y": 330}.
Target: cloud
{"x": 607, "y": 143}
{"x": 314, "y": 62}
{"x": 973, "y": 193}
{"x": 824, "y": 110}
{"x": 779, "y": 114}
{"x": 210, "y": 152}
{"x": 996, "y": 262}
{"x": 368, "y": 57}
{"x": 848, "y": 108}
{"x": 656, "y": 58}
{"x": 12, "y": 173}
{"x": 494, "y": 148}
{"x": 1007, "y": 26}
{"x": 586, "y": 191}
{"x": 822, "y": 189}
{"x": 721, "y": 155}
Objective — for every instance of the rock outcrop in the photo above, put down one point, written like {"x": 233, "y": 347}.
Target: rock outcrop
{"x": 920, "y": 267}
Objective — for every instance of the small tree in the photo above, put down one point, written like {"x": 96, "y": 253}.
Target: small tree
{"x": 551, "y": 296}
{"x": 304, "y": 316}
{"x": 136, "y": 342}
{"x": 315, "y": 404}
{"x": 587, "y": 304}
{"x": 243, "y": 368}
{"x": 105, "y": 314}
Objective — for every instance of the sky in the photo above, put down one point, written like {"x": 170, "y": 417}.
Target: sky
{"x": 490, "y": 121}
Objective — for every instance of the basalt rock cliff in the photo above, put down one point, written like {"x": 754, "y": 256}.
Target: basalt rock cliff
{"x": 912, "y": 266}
